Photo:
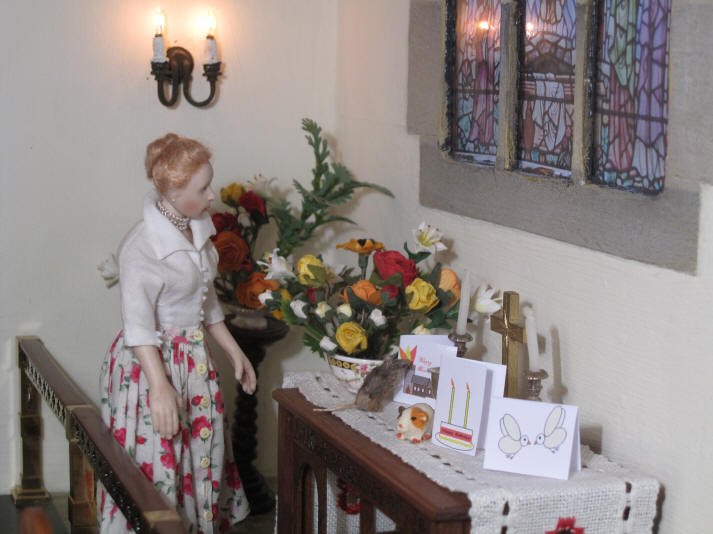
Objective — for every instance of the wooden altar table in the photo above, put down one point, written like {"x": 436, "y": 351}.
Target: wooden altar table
{"x": 314, "y": 442}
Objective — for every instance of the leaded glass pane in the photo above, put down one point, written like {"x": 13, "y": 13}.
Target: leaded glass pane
{"x": 632, "y": 95}
{"x": 547, "y": 87}
{"x": 476, "y": 80}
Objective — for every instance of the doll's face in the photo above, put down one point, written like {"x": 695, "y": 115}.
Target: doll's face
{"x": 195, "y": 198}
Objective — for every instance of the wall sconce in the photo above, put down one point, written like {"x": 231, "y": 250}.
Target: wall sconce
{"x": 175, "y": 65}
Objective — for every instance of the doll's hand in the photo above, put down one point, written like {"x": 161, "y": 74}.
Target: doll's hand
{"x": 244, "y": 372}
{"x": 164, "y": 401}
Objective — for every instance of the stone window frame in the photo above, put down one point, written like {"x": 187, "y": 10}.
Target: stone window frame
{"x": 661, "y": 230}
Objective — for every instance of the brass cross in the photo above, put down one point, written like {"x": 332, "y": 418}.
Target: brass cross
{"x": 505, "y": 322}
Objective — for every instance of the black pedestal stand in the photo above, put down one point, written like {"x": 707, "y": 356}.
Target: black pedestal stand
{"x": 253, "y": 343}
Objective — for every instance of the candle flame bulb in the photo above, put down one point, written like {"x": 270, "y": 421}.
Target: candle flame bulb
{"x": 210, "y": 24}
{"x": 159, "y": 21}
{"x": 483, "y": 25}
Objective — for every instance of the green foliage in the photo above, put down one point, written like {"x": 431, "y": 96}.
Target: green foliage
{"x": 332, "y": 184}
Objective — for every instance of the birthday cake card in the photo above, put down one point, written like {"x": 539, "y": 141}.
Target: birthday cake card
{"x": 460, "y": 404}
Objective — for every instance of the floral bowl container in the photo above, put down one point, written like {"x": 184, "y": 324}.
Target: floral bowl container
{"x": 351, "y": 372}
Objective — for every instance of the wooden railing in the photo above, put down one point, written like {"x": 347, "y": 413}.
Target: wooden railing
{"x": 94, "y": 455}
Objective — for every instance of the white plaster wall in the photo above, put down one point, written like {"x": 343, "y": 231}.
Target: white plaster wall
{"x": 77, "y": 107}
{"x": 628, "y": 343}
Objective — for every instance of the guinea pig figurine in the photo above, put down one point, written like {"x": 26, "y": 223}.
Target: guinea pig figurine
{"x": 415, "y": 422}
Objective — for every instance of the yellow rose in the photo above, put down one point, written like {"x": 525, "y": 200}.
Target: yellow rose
{"x": 277, "y": 314}
{"x": 351, "y": 337}
{"x": 421, "y": 295}
{"x": 231, "y": 194}
{"x": 311, "y": 271}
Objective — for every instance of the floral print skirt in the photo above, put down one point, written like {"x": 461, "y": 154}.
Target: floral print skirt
{"x": 195, "y": 469}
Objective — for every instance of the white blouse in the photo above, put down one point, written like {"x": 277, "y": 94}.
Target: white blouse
{"x": 165, "y": 280}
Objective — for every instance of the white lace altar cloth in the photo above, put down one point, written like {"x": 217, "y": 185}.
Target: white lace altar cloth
{"x": 604, "y": 498}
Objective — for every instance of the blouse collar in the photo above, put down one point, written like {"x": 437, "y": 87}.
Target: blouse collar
{"x": 166, "y": 238}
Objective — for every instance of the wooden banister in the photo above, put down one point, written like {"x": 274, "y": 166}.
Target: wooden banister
{"x": 92, "y": 450}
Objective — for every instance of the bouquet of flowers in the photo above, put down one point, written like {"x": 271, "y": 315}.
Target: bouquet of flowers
{"x": 362, "y": 311}
{"x": 241, "y": 275}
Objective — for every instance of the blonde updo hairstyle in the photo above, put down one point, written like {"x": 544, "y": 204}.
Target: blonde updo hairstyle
{"x": 172, "y": 160}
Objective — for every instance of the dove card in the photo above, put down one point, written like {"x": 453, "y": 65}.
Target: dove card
{"x": 459, "y": 406}
{"x": 532, "y": 438}
{"x": 425, "y": 354}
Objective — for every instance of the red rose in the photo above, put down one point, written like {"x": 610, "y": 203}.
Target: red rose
{"x": 195, "y": 401}
{"x": 254, "y": 206}
{"x": 188, "y": 484}
{"x": 147, "y": 469}
{"x": 140, "y": 440}
{"x": 120, "y": 436}
{"x": 211, "y": 375}
{"x": 214, "y": 509}
{"x": 216, "y": 485}
{"x": 232, "y": 251}
{"x": 218, "y": 403}
{"x": 186, "y": 434}
{"x": 169, "y": 461}
{"x": 135, "y": 373}
{"x": 391, "y": 262}
{"x": 225, "y": 221}
{"x": 199, "y": 424}
{"x": 310, "y": 293}
{"x": 191, "y": 364}
{"x": 391, "y": 289}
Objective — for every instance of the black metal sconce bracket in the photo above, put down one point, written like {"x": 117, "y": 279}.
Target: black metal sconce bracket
{"x": 176, "y": 71}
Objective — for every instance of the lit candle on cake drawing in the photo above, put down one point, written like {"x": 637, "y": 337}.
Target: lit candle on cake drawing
{"x": 454, "y": 436}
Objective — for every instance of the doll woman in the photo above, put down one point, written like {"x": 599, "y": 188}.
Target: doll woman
{"x": 160, "y": 394}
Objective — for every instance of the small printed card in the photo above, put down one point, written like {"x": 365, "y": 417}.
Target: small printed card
{"x": 425, "y": 354}
{"x": 532, "y": 438}
{"x": 494, "y": 387}
{"x": 460, "y": 403}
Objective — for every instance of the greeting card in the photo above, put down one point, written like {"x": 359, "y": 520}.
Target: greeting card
{"x": 532, "y": 438}
{"x": 459, "y": 406}
{"x": 425, "y": 354}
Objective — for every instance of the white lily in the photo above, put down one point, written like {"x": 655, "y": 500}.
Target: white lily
{"x": 265, "y": 297}
{"x": 484, "y": 303}
{"x": 421, "y": 330}
{"x": 345, "y": 309}
{"x": 377, "y": 317}
{"x": 428, "y": 238}
{"x": 277, "y": 267}
{"x": 327, "y": 344}
{"x": 298, "y": 308}
{"x": 311, "y": 219}
{"x": 109, "y": 270}
{"x": 322, "y": 309}
{"x": 260, "y": 185}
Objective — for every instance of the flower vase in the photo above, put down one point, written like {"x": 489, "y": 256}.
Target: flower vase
{"x": 351, "y": 372}
{"x": 245, "y": 318}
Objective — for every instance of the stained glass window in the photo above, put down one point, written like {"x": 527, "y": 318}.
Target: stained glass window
{"x": 547, "y": 87}
{"x": 632, "y": 95}
{"x": 476, "y": 80}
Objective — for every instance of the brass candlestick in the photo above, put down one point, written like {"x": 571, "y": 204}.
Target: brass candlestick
{"x": 534, "y": 384}
{"x": 459, "y": 340}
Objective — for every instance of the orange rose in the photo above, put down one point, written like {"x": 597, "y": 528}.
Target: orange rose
{"x": 247, "y": 292}
{"x": 232, "y": 251}
{"x": 364, "y": 290}
{"x": 449, "y": 282}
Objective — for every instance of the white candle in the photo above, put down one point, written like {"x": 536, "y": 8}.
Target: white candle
{"x": 159, "y": 46}
{"x": 159, "y": 50}
{"x": 463, "y": 305}
{"x": 210, "y": 51}
{"x": 531, "y": 334}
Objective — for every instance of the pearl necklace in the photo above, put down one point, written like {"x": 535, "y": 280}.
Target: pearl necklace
{"x": 179, "y": 221}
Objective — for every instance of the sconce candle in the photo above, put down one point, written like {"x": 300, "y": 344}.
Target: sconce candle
{"x": 210, "y": 50}
{"x": 159, "y": 46}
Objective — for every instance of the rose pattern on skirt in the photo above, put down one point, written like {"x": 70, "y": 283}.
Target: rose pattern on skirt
{"x": 194, "y": 469}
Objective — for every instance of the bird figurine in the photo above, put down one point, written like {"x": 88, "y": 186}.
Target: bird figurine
{"x": 512, "y": 441}
{"x": 378, "y": 387}
{"x": 554, "y": 435}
